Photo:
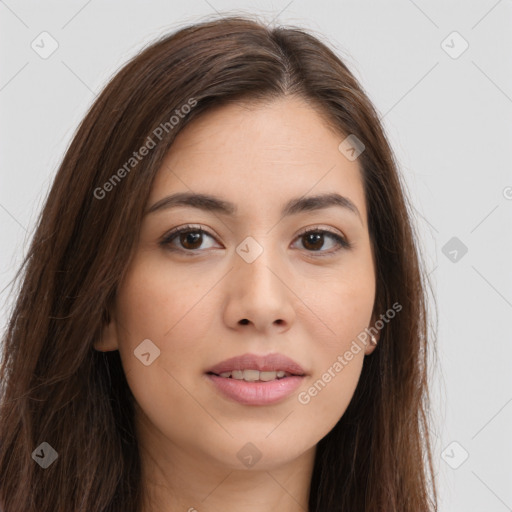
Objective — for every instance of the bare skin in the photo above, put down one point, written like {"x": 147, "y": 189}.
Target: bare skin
{"x": 189, "y": 302}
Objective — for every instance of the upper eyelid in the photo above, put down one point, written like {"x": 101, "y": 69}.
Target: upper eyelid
{"x": 199, "y": 227}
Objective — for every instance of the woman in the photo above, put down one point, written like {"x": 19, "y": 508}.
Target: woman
{"x": 223, "y": 306}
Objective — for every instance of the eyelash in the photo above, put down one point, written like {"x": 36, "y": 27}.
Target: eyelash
{"x": 169, "y": 237}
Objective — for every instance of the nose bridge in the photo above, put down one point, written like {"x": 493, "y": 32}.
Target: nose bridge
{"x": 259, "y": 293}
{"x": 257, "y": 264}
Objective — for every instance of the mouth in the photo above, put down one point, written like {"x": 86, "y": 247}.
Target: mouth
{"x": 252, "y": 379}
{"x": 252, "y": 375}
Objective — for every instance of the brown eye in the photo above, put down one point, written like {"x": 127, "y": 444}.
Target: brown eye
{"x": 191, "y": 239}
{"x": 314, "y": 240}
{"x": 187, "y": 239}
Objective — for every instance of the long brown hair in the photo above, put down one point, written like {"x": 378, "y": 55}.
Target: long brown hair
{"x": 56, "y": 389}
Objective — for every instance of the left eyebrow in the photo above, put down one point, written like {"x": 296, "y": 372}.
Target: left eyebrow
{"x": 294, "y": 206}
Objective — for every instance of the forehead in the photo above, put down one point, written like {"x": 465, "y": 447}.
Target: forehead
{"x": 252, "y": 153}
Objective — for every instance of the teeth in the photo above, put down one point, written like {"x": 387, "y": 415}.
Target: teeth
{"x": 251, "y": 375}
{"x": 255, "y": 375}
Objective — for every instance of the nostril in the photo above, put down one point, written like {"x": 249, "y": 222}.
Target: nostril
{"x": 244, "y": 321}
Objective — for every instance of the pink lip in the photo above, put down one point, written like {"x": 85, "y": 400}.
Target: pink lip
{"x": 269, "y": 362}
{"x": 256, "y": 393}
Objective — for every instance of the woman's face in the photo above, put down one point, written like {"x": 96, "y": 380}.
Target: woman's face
{"x": 250, "y": 283}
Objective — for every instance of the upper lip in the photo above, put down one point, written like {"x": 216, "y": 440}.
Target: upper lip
{"x": 269, "y": 362}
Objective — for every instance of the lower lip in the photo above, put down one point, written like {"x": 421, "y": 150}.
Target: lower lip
{"x": 256, "y": 393}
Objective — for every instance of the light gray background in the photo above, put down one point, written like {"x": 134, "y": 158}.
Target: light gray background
{"x": 449, "y": 121}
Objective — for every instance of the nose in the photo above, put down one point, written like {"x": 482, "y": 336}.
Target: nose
{"x": 259, "y": 295}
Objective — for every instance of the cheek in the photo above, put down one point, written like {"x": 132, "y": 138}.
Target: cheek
{"x": 174, "y": 310}
{"x": 345, "y": 311}
{"x": 328, "y": 394}
{"x": 343, "y": 303}
{"x": 167, "y": 310}
{"x": 155, "y": 299}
